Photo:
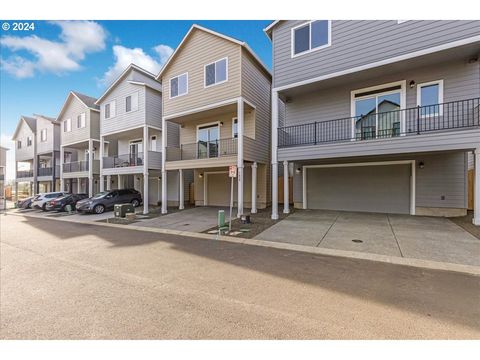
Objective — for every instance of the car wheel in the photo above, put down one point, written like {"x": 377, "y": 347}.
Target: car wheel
{"x": 44, "y": 207}
{"x": 99, "y": 209}
{"x": 135, "y": 203}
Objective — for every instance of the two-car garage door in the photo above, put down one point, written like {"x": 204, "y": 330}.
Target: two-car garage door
{"x": 379, "y": 188}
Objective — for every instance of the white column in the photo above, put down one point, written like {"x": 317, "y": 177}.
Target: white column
{"x": 274, "y": 155}
{"x": 79, "y": 186}
{"x": 164, "y": 171}
{"x": 90, "y": 167}
{"x": 181, "y": 197}
{"x": 119, "y": 181}
{"x": 145, "y": 169}
{"x": 62, "y": 157}
{"x": 286, "y": 209}
{"x": 109, "y": 182}
{"x": 476, "y": 189}
{"x": 102, "y": 178}
{"x": 240, "y": 127}
{"x": 16, "y": 182}
{"x": 254, "y": 188}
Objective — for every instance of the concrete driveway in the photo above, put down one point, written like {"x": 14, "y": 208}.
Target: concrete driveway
{"x": 197, "y": 219}
{"x": 419, "y": 237}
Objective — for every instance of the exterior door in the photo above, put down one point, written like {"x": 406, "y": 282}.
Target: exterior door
{"x": 136, "y": 153}
{"x": 207, "y": 141}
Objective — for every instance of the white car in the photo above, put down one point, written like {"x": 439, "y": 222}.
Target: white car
{"x": 40, "y": 201}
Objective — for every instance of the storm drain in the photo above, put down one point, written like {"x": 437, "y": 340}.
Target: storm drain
{"x": 358, "y": 241}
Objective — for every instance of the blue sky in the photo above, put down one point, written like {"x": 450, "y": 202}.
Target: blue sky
{"x": 39, "y": 67}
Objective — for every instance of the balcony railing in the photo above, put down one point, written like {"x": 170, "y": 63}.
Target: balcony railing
{"x": 203, "y": 150}
{"x": 412, "y": 121}
{"x": 48, "y": 171}
{"x": 128, "y": 160}
{"x": 24, "y": 174}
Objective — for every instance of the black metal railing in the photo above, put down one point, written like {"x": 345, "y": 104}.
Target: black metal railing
{"x": 418, "y": 120}
{"x": 75, "y": 166}
{"x": 134, "y": 159}
{"x": 45, "y": 171}
{"x": 24, "y": 174}
{"x": 203, "y": 150}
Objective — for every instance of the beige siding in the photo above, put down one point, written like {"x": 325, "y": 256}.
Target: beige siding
{"x": 200, "y": 49}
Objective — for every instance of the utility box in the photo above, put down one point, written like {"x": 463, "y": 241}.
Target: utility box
{"x": 121, "y": 210}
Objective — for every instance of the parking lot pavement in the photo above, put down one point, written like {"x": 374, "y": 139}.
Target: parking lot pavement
{"x": 76, "y": 217}
{"x": 79, "y": 281}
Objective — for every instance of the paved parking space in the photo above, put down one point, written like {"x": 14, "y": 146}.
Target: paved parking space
{"x": 419, "y": 237}
{"x": 71, "y": 217}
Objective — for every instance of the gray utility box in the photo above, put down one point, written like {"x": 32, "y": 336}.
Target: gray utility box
{"x": 120, "y": 210}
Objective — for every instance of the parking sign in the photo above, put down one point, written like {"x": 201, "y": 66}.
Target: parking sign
{"x": 232, "y": 171}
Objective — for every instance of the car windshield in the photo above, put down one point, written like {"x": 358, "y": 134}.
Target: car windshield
{"x": 100, "y": 194}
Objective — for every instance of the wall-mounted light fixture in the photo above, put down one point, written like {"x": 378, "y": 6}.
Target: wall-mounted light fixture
{"x": 421, "y": 165}
{"x": 221, "y": 123}
{"x": 298, "y": 170}
{"x": 200, "y": 175}
{"x": 412, "y": 84}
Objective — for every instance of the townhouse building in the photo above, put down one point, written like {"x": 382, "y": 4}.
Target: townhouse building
{"x": 217, "y": 90}
{"x": 37, "y": 153}
{"x": 131, "y": 135}
{"x": 79, "y": 120}
{"x": 377, "y": 116}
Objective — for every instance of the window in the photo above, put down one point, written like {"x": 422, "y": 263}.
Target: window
{"x": 43, "y": 135}
{"x": 109, "y": 110}
{"x": 429, "y": 95}
{"x": 131, "y": 102}
{"x": 311, "y": 36}
{"x": 29, "y": 141}
{"x": 19, "y": 144}
{"x": 179, "y": 85}
{"x": 216, "y": 72}
{"x": 67, "y": 125}
{"x": 235, "y": 128}
{"x": 81, "y": 121}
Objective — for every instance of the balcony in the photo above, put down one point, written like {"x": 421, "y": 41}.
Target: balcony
{"x": 449, "y": 116}
{"x": 133, "y": 160}
{"x": 24, "y": 174}
{"x": 80, "y": 166}
{"x": 203, "y": 150}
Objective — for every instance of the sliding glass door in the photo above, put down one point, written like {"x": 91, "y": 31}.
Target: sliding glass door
{"x": 207, "y": 141}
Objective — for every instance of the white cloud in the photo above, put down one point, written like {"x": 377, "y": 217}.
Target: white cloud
{"x": 6, "y": 141}
{"x": 125, "y": 56}
{"x": 77, "y": 38}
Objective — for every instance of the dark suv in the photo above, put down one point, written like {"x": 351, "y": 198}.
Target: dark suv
{"x": 107, "y": 199}
{"x": 59, "y": 204}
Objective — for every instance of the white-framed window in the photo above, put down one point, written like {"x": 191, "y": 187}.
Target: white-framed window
{"x": 234, "y": 128}
{"x": 131, "y": 102}
{"x": 429, "y": 96}
{"x": 109, "y": 110}
{"x": 67, "y": 125}
{"x": 81, "y": 121}
{"x": 311, "y": 36}
{"x": 43, "y": 135}
{"x": 19, "y": 144}
{"x": 179, "y": 85}
{"x": 216, "y": 72}
{"x": 153, "y": 143}
{"x": 29, "y": 141}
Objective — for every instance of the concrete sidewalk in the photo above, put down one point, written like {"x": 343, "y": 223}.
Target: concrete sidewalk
{"x": 417, "y": 237}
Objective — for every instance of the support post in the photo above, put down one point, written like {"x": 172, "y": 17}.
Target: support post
{"x": 102, "y": 177}
{"x": 181, "y": 196}
{"x": 109, "y": 182}
{"x": 274, "y": 155}
{"x": 90, "y": 167}
{"x": 286, "y": 209}
{"x": 54, "y": 168}
{"x": 62, "y": 159}
{"x": 476, "y": 189}
{"x": 16, "y": 182}
{"x": 240, "y": 127}
{"x": 79, "y": 185}
{"x": 145, "y": 169}
{"x": 254, "y": 188}
{"x": 164, "y": 170}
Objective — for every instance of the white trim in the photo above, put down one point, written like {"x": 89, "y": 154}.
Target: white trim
{"x": 403, "y": 102}
{"x": 373, "y": 163}
{"x": 144, "y": 84}
{"x": 205, "y": 86}
{"x": 170, "y": 86}
{"x": 269, "y": 28}
{"x": 129, "y": 129}
{"x": 401, "y": 21}
{"x": 310, "y": 50}
{"x": 233, "y": 123}
{"x": 209, "y": 124}
{"x": 440, "y": 96}
{"x": 205, "y": 177}
{"x": 411, "y": 55}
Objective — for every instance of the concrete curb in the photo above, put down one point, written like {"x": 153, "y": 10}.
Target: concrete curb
{"x": 418, "y": 263}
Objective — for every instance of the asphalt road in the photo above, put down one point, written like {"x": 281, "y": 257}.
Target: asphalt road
{"x": 72, "y": 281}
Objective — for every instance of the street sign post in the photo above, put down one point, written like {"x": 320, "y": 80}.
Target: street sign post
{"x": 232, "y": 173}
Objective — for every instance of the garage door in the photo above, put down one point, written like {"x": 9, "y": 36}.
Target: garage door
{"x": 380, "y": 188}
{"x": 218, "y": 190}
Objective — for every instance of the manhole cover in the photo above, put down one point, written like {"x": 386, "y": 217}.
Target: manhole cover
{"x": 357, "y": 241}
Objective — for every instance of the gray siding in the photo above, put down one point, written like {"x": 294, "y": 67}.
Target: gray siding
{"x": 94, "y": 123}
{"x": 26, "y": 152}
{"x": 74, "y": 108}
{"x": 53, "y": 136}
{"x": 153, "y": 105}
{"x": 356, "y": 43}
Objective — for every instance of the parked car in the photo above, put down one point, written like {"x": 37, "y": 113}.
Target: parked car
{"x": 60, "y": 203}
{"x": 40, "y": 201}
{"x": 106, "y": 200}
{"x": 25, "y": 203}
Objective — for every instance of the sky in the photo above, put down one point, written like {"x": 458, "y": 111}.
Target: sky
{"x": 40, "y": 66}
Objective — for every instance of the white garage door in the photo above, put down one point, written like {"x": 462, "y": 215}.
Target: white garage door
{"x": 218, "y": 189}
{"x": 380, "y": 188}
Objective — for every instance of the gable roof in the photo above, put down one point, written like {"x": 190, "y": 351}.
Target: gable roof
{"x": 48, "y": 118}
{"x": 122, "y": 75}
{"x": 198, "y": 27}
{"x": 31, "y": 123}
{"x": 268, "y": 29}
{"x": 88, "y": 101}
